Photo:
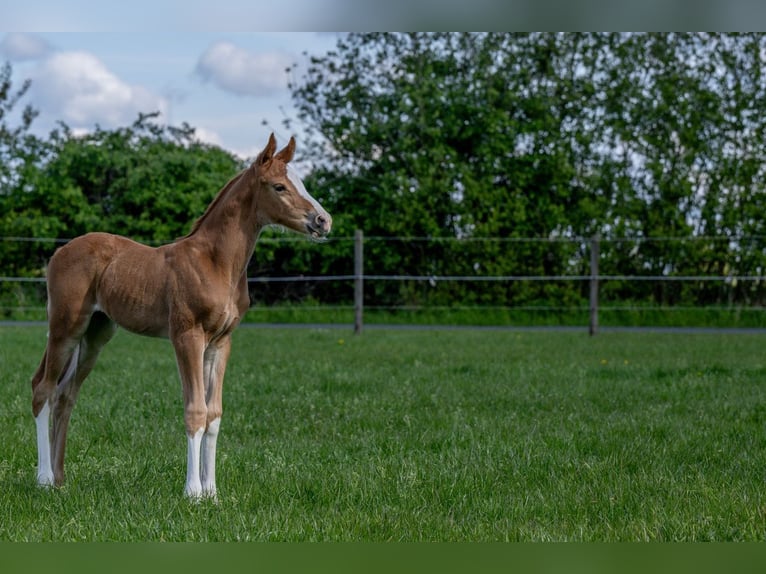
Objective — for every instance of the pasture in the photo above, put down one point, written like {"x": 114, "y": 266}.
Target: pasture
{"x": 405, "y": 435}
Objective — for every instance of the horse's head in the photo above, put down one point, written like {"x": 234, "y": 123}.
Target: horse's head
{"x": 283, "y": 199}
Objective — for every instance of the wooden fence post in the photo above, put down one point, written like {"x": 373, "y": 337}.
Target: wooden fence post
{"x": 358, "y": 281}
{"x": 594, "y": 256}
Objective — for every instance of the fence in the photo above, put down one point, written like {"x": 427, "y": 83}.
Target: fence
{"x": 591, "y": 279}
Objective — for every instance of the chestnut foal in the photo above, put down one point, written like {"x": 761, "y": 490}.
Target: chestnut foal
{"x": 192, "y": 291}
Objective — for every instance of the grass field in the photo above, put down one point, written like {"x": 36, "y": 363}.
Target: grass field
{"x": 407, "y": 435}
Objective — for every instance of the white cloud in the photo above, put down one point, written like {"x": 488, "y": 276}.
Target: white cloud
{"x": 77, "y": 88}
{"x": 247, "y": 153}
{"x": 236, "y": 70}
{"x": 19, "y": 47}
{"x": 208, "y": 136}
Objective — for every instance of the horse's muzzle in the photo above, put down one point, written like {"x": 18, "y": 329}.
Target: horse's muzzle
{"x": 319, "y": 225}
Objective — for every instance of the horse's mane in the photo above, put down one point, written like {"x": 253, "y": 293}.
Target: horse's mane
{"x": 218, "y": 198}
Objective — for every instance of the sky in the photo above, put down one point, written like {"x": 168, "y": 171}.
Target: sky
{"x": 220, "y": 67}
{"x": 223, "y": 84}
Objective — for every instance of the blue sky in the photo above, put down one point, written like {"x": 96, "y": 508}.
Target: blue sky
{"x": 218, "y": 65}
{"x": 224, "y": 84}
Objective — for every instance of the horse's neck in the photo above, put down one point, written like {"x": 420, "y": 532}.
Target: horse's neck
{"x": 228, "y": 230}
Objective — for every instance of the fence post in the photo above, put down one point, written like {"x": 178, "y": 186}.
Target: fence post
{"x": 594, "y": 256}
{"x": 358, "y": 281}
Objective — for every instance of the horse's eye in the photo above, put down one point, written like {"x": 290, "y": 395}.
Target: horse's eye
{"x": 279, "y": 187}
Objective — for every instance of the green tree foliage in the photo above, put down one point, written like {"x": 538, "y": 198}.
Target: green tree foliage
{"x": 636, "y": 137}
{"x": 145, "y": 181}
{"x": 17, "y": 145}
{"x": 537, "y": 141}
{"x": 20, "y": 154}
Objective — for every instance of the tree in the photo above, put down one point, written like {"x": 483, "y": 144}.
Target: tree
{"x": 637, "y": 137}
{"x": 17, "y": 145}
{"x": 20, "y": 154}
{"x": 451, "y": 136}
{"x": 146, "y": 181}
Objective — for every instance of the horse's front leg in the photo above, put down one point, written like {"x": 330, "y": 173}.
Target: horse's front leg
{"x": 216, "y": 357}
{"x": 190, "y": 349}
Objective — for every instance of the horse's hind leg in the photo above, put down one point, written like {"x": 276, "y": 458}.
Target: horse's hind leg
{"x": 72, "y": 275}
{"x": 53, "y": 367}
{"x": 42, "y": 422}
{"x": 58, "y": 366}
{"x": 100, "y": 330}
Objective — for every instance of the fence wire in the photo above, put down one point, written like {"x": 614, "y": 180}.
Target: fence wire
{"x": 583, "y": 243}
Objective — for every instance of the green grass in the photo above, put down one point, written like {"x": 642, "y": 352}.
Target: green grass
{"x": 612, "y": 315}
{"x": 407, "y": 435}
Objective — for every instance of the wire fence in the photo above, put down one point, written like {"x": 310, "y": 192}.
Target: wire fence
{"x": 585, "y": 310}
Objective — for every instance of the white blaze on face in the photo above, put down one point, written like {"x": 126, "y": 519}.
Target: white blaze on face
{"x": 295, "y": 179}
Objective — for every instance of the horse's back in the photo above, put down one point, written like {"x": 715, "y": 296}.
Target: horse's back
{"x": 113, "y": 274}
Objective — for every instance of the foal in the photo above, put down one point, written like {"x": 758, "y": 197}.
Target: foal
{"x": 192, "y": 291}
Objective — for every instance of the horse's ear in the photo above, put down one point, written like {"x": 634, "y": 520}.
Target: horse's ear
{"x": 288, "y": 152}
{"x": 268, "y": 152}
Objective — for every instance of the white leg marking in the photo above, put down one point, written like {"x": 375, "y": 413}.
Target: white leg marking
{"x": 193, "y": 484}
{"x": 209, "y": 440}
{"x": 44, "y": 468}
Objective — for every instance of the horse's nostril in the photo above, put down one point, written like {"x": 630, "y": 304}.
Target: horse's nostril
{"x": 321, "y": 222}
